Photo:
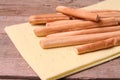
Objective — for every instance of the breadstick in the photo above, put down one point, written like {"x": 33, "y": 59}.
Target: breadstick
{"x": 56, "y": 23}
{"x": 106, "y": 13}
{"x": 102, "y": 11}
{"x": 51, "y": 42}
{"x": 109, "y": 14}
{"x": 86, "y": 31}
{"x": 103, "y": 44}
{"x": 78, "y": 13}
{"x": 73, "y": 25}
{"x": 44, "y": 18}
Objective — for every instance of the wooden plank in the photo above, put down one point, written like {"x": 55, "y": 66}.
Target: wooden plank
{"x": 107, "y": 70}
{"x": 28, "y": 7}
{"x": 11, "y": 62}
{"x": 11, "y": 20}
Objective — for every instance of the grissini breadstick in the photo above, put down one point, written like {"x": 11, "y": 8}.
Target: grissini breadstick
{"x": 80, "y": 13}
{"x": 62, "y": 22}
{"x": 109, "y": 14}
{"x": 86, "y": 31}
{"x": 51, "y": 42}
{"x": 73, "y": 25}
{"x": 44, "y": 18}
{"x": 106, "y": 13}
{"x": 103, "y": 44}
{"x": 102, "y": 11}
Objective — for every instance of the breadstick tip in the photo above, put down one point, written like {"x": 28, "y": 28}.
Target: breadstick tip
{"x": 35, "y": 32}
{"x": 42, "y": 44}
{"x": 60, "y": 8}
{"x": 38, "y": 33}
{"x": 76, "y": 51}
{"x": 32, "y": 19}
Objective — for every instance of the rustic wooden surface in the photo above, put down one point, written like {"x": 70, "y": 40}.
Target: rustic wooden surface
{"x": 12, "y": 65}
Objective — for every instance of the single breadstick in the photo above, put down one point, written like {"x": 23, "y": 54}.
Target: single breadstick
{"x": 86, "y": 31}
{"x": 106, "y": 13}
{"x": 44, "y": 18}
{"x": 73, "y": 25}
{"x": 109, "y": 14}
{"x": 62, "y": 22}
{"x": 51, "y": 42}
{"x": 102, "y": 11}
{"x": 103, "y": 44}
{"x": 78, "y": 13}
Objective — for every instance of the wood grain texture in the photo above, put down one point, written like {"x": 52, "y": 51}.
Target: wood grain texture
{"x": 11, "y": 62}
{"x": 11, "y": 20}
{"x": 28, "y": 7}
{"x": 12, "y": 65}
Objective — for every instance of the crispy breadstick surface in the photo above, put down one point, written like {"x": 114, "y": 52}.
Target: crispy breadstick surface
{"x": 103, "y": 44}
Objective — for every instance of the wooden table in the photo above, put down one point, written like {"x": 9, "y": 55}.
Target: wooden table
{"x": 13, "y": 66}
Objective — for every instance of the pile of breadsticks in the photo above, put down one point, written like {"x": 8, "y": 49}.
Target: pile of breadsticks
{"x": 86, "y": 30}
